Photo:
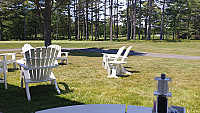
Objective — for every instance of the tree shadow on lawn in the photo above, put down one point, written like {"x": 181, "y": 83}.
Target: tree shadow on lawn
{"x": 96, "y": 52}
{"x": 12, "y": 70}
{"x": 14, "y": 100}
{"x": 132, "y": 71}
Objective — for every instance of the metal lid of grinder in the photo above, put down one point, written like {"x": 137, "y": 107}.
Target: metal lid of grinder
{"x": 163, "y": 87}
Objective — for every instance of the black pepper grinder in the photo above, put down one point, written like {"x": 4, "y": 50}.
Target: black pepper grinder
{"x": 162, "y": 95}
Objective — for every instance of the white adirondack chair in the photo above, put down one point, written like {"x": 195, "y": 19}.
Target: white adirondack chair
{"x": 38, "y": 68}
{"x": 107, "y": 56}
{"x": 3, "y": 67}
{"x": 116, "y": 65}
{"x": 60, "y": 57}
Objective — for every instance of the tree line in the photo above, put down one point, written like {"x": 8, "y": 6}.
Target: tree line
{"x": 99, "y": 19}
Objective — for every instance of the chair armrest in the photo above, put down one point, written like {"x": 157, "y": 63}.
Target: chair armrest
{"x": 10, "y": 53}
{"x": 108, "y": 54}
{"x": 116, "y": 62}
{"x": 24, "y": 66}
{"x": 66, "y": 53}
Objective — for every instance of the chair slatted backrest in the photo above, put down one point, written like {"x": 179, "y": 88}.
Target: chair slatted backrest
{"x": 40, "y": 62}
{"x": 126, "y": 53}
{"x": 57, "y": 48}
{"x": 26, "y": 47}
{"x": 120, "y": 51}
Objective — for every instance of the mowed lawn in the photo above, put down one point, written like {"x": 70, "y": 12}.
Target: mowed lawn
{"x": 84, "y": 80}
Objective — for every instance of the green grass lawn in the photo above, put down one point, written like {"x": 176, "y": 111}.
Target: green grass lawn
{"x": 84, "y": 80}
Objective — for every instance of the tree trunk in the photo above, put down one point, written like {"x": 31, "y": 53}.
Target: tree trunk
{"x": 24, "y": 22}
{"x": 57, "y": 26}
{"x": 132, "y": 19}
{"x": 150, "y": 13}
{"x": 83, "y": 20}
{"x": 98, "y": 19}
{"x": 128, "y": 22}
{"x": 111, "y": 35}
{"x": 69, "y": 22}
{"x": 174, "y": 27}
{"x": 134, "y": 35}
{"x": 140, "y": 20}
{"x": 47, "y": 23}
{"x": 163, "y": 11}
{"x": 105, "y": 21}
{"x": 76, "y": 19}
{"x": 24, "y": 28}
{"x": 147, "y": 8}
{"x": 117, "y": 20}
{"x": 0, "y": 31}
{"x": 95, "y": 20}
{"x": 92, "y": 20}
{"x": 86, "y": 27}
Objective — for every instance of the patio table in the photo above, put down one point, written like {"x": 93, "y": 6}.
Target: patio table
{"x": 88, "y": 108}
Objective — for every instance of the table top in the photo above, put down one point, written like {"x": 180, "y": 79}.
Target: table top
{"x": 89, "y": 108}
{"x": 140, "y": 109}
{"x": 104, "y": 108}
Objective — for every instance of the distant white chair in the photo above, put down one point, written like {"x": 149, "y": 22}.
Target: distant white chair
{"x": 116, "y": 65}
{"x": 107, "y": 56}
{"x": 38, "y": 68}
{"x": 3, "y": 67}
{"x": 60, "y": 57}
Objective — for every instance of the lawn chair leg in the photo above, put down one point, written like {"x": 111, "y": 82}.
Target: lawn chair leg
{"x": 4, "y": 73}
{"x": 113, "y": 71}
{"x": 109, "y": 71}
{"x": 14, "y": 65}
{"x": 52, "y": 82}
{"x": 22, "y": 80}
{"x": 5, "y": 81}
{"x": 66, "y": 61}
{"x": 27, "y": 91}
{"x": 106, "y": 66}
{"x": 56, "y": 87}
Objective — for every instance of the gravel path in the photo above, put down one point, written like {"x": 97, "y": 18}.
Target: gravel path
{"x": 115, "y": 51}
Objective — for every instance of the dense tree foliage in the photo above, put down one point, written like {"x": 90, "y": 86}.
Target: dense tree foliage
{"x": 99, "y": 19}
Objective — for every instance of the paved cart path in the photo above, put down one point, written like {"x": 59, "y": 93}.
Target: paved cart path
{"x": 115, "y": 51}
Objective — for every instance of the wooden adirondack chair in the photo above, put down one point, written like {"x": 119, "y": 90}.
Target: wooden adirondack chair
{"x": 60, "y": 57}
{"x": 38, "y": 68}
{"x": 3, "y": 67}
{"x": 116, "y": 65}
{"x": 107, "y": 56}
